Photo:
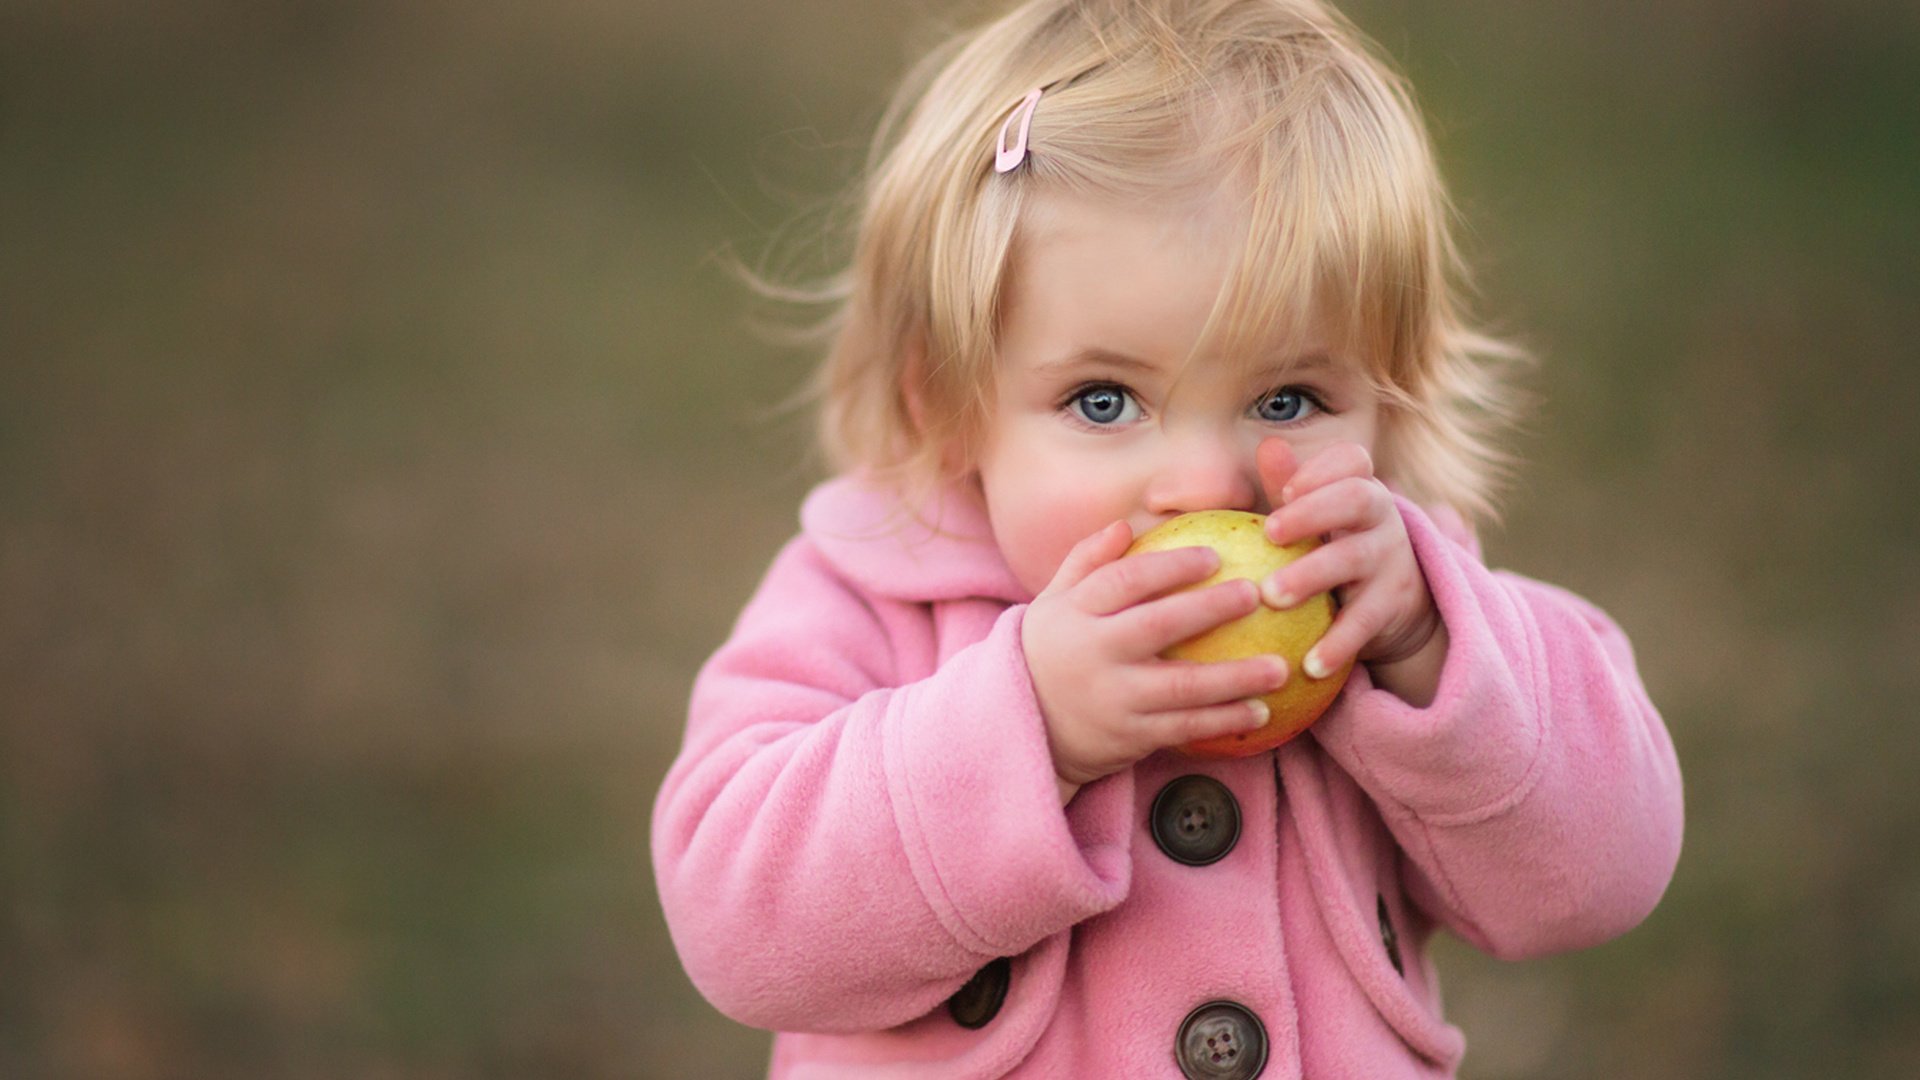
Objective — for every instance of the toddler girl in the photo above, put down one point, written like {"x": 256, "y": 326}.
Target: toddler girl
{"x": 1119, "y": 260}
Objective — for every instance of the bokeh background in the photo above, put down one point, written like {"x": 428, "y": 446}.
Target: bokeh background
{"x": 383, "y": 444}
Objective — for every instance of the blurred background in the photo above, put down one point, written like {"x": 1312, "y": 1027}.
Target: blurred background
{"x": 383, "y": 444}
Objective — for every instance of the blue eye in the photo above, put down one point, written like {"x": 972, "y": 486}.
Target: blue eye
{"x": 1105, "y": 405}
{"x": 1286, "y": 405}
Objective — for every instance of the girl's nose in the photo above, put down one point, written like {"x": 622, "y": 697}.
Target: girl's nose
{"x": 1203, "y": 474}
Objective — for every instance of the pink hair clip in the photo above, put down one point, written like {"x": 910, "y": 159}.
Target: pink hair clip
{"x": 1007, "y": 158}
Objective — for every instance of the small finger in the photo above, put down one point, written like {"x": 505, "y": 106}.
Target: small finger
{"x": 1352, "y": 628}
{"x": 1188, "y": 684}
{"x": 1336, "y": 462}
{"x": 1182, "y": 726}
{"x": 1090, "y": 554}
{"x": 1123, "y": 583}
{"x": 1276, "y": 463}
{"x": 1145, "y": 629}
{"x": 1329, "y": 566}
{"x": 1345, "y": 505}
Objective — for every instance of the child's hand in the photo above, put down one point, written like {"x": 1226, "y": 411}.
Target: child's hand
{"x": 1386, "y": 619}
{"x": 1093, "y": 638}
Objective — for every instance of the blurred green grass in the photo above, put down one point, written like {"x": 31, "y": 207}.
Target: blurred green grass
{"x": 383, "y": 445}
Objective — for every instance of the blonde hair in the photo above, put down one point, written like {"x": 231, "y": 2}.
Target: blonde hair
{"x": 1346, "y": 215}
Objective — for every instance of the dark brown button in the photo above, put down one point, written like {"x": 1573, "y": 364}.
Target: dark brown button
{"x": 1195, "y": 820}
{"x": 1390, "y": 939}
{"x": 979, "y": 1001}
{"x": 1221, "y": 1040}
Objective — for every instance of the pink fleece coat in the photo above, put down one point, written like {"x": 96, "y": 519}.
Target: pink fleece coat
{"x": 863, "y": 814}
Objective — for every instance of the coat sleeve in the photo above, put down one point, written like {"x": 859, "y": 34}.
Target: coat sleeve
{"x": 835, "y": 852}
{"x": 1537, "y": 798}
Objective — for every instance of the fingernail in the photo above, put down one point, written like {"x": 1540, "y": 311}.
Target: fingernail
{"x": 1260, "y": 712}
{"x": 1279, "y": 666}
{"x": 1316, "y": 668}
{"x": 1277, "y": 598}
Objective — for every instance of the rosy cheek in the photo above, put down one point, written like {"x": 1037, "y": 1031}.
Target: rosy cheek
{"x": 1037, "y": 568}
{"x": 1039, "y": 555}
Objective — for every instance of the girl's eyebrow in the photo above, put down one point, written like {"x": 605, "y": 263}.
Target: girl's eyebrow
{"x": 1307, "y": 362}
{"x": 1312, "y": 361}
{"x": 1094, "y": 356}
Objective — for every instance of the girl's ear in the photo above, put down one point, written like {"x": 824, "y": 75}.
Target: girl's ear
{"x": 913, "y": 382}
{"x": 913, "y": 395}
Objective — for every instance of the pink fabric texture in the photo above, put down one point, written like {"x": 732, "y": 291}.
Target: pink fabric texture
{"x": 863, "y": 814}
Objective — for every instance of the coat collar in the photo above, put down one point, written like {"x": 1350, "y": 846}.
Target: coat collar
{"x": 946, "y": 552}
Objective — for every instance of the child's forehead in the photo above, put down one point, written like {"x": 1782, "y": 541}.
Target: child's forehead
{"x": 1117, "y": 263}
{"x": 1098, "y": 252}
{"x": 1104, "y": 275}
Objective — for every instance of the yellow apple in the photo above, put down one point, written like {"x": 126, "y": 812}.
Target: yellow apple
{"x": 1245, "y": 552}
